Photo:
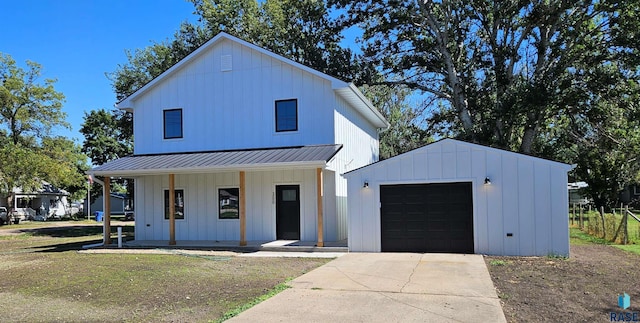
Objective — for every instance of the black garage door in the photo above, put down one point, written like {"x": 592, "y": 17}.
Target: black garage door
{"x": 427, "y": 217}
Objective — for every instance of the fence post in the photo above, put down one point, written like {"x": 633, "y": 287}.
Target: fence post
{"x": 604, "y": 230}
{"x": 581, "y": 219}
{"x": 573, "y": 213}
{"x": 626, "y": 221}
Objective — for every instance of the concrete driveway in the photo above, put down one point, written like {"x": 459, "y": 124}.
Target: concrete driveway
{"x": 387, "y": 287}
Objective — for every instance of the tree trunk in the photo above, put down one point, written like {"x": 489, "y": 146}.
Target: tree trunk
{"x": 527, "y": 139}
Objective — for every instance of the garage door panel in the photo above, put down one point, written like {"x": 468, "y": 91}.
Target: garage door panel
{"x": 427, "y": 217}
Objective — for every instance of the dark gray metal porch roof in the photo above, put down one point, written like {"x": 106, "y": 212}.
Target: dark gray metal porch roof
{"x": 210, "y": 161}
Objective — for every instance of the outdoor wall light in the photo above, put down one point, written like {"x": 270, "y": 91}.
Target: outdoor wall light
{"x": 487, "y": 181}
{"x": 366, "y": 184}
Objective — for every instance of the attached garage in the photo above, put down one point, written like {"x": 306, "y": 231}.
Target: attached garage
{"x": 457, "y": 197}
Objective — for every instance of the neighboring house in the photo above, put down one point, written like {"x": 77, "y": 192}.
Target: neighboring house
{"x": 454, "y": 196}
{"x": 576, "y": 193}
{"x": 48, "y": 201}
{"x": 119, "y": 204}
{"x": 236, "y": 143}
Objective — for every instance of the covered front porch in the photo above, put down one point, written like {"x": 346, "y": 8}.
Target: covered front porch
{"x": 250, "y": 198}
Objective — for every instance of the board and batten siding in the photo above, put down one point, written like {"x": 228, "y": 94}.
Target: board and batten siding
{"x": 360, "y": 147}
{"x": 234, "y": 109}
{"x": 201, "y": 205}
{"x": 527, "y": 196}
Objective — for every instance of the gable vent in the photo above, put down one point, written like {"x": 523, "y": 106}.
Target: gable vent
{"x": 225, "y": 63}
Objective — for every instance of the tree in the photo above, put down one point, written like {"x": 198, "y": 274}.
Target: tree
{"x": 29, "y": 110}
{"x": 108, "y": 136}
{"x": 496, "y": 70}
{"x": 403, "y": 134}
{"x": 549, "y": 78}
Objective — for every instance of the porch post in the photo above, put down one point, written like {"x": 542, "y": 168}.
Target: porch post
{"x": 243, "y": 211}
{"x": 172, "y": 210}
{"x": 106, "y": 196}
{"x": 320, "y": 192}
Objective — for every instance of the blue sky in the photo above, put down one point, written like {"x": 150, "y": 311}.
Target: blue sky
{"x": 78, "y": 41}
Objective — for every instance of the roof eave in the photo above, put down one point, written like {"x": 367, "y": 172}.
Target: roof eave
{"x": 200, "y": 170}
{"x": 363, "y": 105}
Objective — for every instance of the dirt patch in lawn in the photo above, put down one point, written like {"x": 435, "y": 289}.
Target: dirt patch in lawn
{"x": 583, "y": 288}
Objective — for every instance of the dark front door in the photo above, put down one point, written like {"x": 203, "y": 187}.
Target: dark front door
{"x": 427, "y": 217}
{"x": 288, "y": 212}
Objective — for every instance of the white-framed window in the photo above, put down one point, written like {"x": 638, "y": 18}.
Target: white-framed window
{"x": 179, "y": 204}
{"x": 228, "y": 203}
{"x": 172, "y": 120}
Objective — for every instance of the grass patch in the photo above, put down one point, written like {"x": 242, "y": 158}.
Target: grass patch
{"x": 504, "y": 296}
{"x": 578, "y": 237}
{"x": 630, "y": 248}
{"x": 19, "y": 236}
{"x": 498, "y": 263}
{"x": 234, "y": 312}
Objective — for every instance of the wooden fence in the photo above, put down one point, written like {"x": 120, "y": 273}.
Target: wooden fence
{"x": 609, "y": 226}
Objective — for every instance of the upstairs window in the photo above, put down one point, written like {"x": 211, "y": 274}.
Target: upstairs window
{"x": 287, "y": 115}
{"x": 172, "y": 123}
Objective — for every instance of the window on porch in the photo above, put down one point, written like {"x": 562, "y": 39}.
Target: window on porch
{"x": 179, "y": 204}
{"x": 229, "y": 203}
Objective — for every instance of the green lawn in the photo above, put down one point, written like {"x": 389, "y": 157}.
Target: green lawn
{"x": 578, "y": 237}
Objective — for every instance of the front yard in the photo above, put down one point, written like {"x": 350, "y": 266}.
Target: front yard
{"x": 583, "y": 288}
{"x": 45, "y": 278}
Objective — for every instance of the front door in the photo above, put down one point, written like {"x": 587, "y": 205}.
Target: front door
{"x": 288, "y": 212}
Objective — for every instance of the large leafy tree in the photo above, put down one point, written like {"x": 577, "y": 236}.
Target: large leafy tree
{"x": 108, "y": 136}
{"x": 535, "y": 76}
{"x": 404, "y": 134}
{"x": 30, "y": 108}
{"x": 496, "y": 70}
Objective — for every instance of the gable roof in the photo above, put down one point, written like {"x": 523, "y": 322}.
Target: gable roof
{"x": 567, "y": 167}
{"x": 243, "y": 159}
{"x": 46, "y": 189}
{"x": 348, "y": 91}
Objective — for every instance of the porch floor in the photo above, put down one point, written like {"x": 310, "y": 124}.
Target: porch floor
{"x": 273, "y": 245}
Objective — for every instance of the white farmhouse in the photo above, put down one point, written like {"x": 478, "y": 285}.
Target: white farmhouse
{"x": 235, "y": 143}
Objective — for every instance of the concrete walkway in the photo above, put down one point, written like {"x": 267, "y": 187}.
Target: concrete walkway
{"x": 386, "y": 287}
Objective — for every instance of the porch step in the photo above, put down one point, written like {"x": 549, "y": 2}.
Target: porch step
{"x": 302, "y": 249}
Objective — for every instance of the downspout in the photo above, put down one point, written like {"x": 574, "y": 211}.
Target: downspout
{"x": 94, "y": 179}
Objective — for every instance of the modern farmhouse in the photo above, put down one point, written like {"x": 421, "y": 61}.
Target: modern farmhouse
{"x": 236, "y": 143}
